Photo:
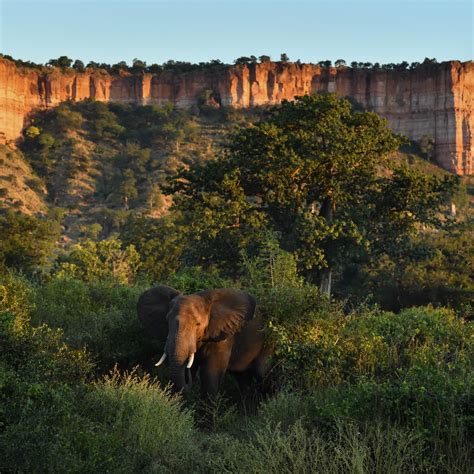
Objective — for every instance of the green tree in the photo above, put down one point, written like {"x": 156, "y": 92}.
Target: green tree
{"x": 327, "y": 63}
{"x": 128, "y": 189}
{"x": 26, "y": 242}
{"x": 138, "y": 65}
{"x": 63, "y": 62}
{"x": 79, "y": 65}
{"x": 284, "y": 58}
{"x": 67, "y": 119}
{"x": 46, "y": 141}
{"x": 312, "y": 172}
{"x": 103, "y": 261}
{"x": 120, "y": 66}
{"x": 159, "y": 242}
{"x": 243, "y": 60}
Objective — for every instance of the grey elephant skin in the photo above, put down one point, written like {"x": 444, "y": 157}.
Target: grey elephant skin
{"x": 212, "y": 332}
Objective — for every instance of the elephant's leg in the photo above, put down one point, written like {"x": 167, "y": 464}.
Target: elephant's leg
{"x": 244, "y": 379}
{"x": 213, "y": 369}
{"x": 261, "y": 368}
{"x": 246, "y": 389}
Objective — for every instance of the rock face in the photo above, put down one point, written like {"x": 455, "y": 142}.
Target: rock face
{"x": 434, "y": 101}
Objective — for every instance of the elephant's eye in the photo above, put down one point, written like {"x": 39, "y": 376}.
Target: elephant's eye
{"x": 198, "y": 324}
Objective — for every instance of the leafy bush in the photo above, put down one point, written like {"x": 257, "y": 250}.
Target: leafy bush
{"x": 53, "y": 421}
{"x": 149, "y": 429}
{"x": 38, "y": 372}
{"x": 26, "y": 241}
{"x": 101, "y": 318}
{"x": 353, "y": 420}
{"x": 194, "y": 279}
{"x": 103, "y": 261}
{"x": 328, "y": 346}
{"x": 367, "y": 391}
{"x": 438, "y": 271}
{"x": 159, "y": 243}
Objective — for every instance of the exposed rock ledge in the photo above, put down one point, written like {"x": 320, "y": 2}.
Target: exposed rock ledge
{"x": 433, "y": 100}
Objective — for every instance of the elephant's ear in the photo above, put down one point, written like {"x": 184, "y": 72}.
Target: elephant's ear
{"x": 229, "y": 310}
{"x": 152, "y": 308}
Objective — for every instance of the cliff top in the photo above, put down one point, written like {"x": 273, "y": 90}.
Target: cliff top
{"x": 64, "y": 65}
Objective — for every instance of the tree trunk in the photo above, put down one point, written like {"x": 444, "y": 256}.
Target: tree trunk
{"x": 326, "y": 280}
{"x": 327, "y": 211}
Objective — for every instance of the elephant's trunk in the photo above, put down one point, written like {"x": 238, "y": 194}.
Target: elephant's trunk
{"x": 177, "y": 375}
{"x": 180, "y": 356}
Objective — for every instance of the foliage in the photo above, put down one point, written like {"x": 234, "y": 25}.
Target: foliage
{"x": 26, "y": 241}
{"x": 149, "y": 429}
{"x": 62, "y": 62}
{"x": 316, "y": 172}
{"x": 327, "y": 346}
{"x": 37, "y": 373}
{"x": 270, "y": 448}
{"x": 378, "y": 392}
{"x": 95, "y": 316}
{"x": 438, "y": 269}
{"x": 193, "y": 279}
{"x": 101, "y": 261}
{"x": 271, "y": 267}
{"x": 158, "y": 242}
{"x": 57, "y": 422}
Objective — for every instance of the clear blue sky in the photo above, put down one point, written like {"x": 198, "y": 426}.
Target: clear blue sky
{"x": 155, "y": 31}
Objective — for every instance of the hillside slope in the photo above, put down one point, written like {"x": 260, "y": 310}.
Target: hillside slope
{"x": 101, "y": 162}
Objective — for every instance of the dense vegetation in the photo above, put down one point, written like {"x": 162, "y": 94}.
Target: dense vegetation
{"x": 378, "y": 377}
{"x": 139, "y": 66}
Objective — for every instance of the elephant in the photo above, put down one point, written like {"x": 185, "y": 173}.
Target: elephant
{"x": 212, "y": 331}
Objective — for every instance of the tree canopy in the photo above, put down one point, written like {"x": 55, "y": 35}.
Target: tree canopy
{"x": 317, "y": 172}
{"x": 26, "y": 241}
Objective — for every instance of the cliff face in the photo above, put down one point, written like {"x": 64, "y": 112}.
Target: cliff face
{"x": 436, "y": 101}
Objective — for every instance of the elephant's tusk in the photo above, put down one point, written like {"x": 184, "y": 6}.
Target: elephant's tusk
{"x": 163, "y": 358}
{"x": 190, "y": 361}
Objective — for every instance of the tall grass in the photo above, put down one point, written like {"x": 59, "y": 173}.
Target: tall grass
{"x": 152, "y": 429}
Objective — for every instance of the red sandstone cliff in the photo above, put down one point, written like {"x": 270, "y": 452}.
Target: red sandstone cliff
{"x": 433, "y": 100}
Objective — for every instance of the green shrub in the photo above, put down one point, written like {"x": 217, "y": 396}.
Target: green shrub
{"x": 324, "y": 345}
{"x": 52, "y": 420}
{"x": 15, "y": 299}
{"x": 101, "y": 318}
{"x": 99, "y": 262}
{"x": 437, "y": 271}
{"x": 159, "y": 243}
{"x": 152, "y": 431}
{"x": 38, "y": 374}
{"x": 194, "y": 279}
{"x": 26, "y": 241}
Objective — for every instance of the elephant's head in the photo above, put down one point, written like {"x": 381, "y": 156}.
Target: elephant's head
{"x": 184, "y": 323}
